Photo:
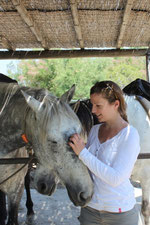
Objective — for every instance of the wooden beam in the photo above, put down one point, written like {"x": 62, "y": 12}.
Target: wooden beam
{"x": 125, "y": 20}
{"x": 30, "y": 22}
{"x": 76, "y": 22}
{"x": 6, "y": 43}
{"x": 53, "y": 54}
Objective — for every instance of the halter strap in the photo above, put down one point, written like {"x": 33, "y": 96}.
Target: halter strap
{"x": 24, "y": 137}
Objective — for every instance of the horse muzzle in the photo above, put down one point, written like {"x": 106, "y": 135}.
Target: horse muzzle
{"x": 78, "y": 196}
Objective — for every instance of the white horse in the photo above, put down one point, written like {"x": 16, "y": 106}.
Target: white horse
{"x": 138, "y": 117}
{"x": 46, "y": 122}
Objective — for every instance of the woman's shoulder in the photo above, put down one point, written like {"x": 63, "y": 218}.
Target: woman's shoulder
{"x": 132, "y": 128}
{"x": 131, "y": 131}
{"x": 130, "y": 140}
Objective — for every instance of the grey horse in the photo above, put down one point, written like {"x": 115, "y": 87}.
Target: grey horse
{"x": 47, "y": 123}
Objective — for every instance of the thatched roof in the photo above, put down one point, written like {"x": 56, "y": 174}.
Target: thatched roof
{"x": 74, "y": 24}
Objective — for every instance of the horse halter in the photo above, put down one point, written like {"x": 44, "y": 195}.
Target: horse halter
{"x": 24, "y": 138}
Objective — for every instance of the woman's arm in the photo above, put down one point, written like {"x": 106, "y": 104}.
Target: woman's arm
{"x": 114, "y": 175}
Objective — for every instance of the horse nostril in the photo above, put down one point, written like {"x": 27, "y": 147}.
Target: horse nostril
{"x": 81, "y": 197}
{"x": 42, "y": 187}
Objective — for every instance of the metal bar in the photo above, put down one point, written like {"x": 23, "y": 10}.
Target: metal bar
{"x": 148, "y": 67}
{"x": 144, "y": 156}
{"x": 16, "y": 160}
{"x": 34, "y": 160}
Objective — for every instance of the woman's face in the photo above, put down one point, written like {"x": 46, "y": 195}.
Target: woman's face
{"x": 104, "y": 110}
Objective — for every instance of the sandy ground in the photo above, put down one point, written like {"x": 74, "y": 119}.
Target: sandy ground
{"x": 56, "y": 209}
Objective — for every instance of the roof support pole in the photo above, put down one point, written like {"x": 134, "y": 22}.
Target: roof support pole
{"x": 148, "y": 66}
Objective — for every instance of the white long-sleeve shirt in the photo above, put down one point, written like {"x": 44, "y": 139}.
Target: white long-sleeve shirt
{"x": 111, "y": 164}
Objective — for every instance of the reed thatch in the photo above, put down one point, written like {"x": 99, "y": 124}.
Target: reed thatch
{"x": 74, "y": 24}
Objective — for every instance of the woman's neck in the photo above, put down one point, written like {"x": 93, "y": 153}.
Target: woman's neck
{"x": 117, "y": 124}
{"x": 109, "y": 130}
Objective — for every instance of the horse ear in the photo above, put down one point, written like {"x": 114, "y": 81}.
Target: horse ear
{"x": 32, "y": 102}
{"x": 75, "y": 106}
{"x": 67, "y": 96}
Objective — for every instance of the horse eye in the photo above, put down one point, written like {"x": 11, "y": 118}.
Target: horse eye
{"x": 53, "y": 142}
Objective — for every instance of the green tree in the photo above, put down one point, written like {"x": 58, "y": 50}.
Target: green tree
{"x": 58, "y": 75}
{"x": 125, "y": 70}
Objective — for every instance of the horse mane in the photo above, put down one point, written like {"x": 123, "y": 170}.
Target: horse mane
{"x": 85, "y": 115}
{"x": 10, "y": 91}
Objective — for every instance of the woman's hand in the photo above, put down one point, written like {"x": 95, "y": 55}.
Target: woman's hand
{"x": 76, "y": 143}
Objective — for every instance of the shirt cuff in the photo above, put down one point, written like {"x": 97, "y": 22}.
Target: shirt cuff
{"x": 83, "y": 153}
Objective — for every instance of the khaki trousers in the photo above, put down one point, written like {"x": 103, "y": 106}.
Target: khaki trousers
{"x": 90, "y": 216}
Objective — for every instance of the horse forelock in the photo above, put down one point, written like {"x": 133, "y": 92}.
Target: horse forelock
{"x": 55, "y": 109}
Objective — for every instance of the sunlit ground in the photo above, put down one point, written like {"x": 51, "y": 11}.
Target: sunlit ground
{"x": 56, "y": 210}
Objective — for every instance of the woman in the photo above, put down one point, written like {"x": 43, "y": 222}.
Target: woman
{"x": 110, "y": 154}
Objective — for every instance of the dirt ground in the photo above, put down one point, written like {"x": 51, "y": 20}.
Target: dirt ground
{"x": 56, "y": 209}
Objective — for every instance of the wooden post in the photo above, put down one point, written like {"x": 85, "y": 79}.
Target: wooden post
{"x": 148, "y": 66}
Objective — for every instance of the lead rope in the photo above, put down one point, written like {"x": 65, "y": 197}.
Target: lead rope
{"x": 17, "y": 170}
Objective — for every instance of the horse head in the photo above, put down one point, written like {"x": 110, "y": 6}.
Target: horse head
{"x": 44, "y": 181}
{"x": 48, "y": 125}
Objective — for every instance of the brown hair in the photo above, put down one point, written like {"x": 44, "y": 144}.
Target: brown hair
{"x": 112, "y": 92}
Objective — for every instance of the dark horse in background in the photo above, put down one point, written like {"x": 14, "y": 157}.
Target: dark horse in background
{"x": 47, "y": 122}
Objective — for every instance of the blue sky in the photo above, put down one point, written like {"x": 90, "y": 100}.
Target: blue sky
{"x": 4, "y": 64}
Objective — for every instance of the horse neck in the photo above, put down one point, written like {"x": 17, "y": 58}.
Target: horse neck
{"x": 11, "y": 120}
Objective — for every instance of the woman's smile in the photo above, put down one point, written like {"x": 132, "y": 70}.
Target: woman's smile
{"x": 99, "y": 115}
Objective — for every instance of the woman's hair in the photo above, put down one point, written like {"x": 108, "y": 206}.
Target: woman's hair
{"x": 112, "y": 92}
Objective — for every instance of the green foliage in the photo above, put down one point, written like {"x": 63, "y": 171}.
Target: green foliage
{"x": 58, "y": 75}
{"x": 125, "y": 70}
